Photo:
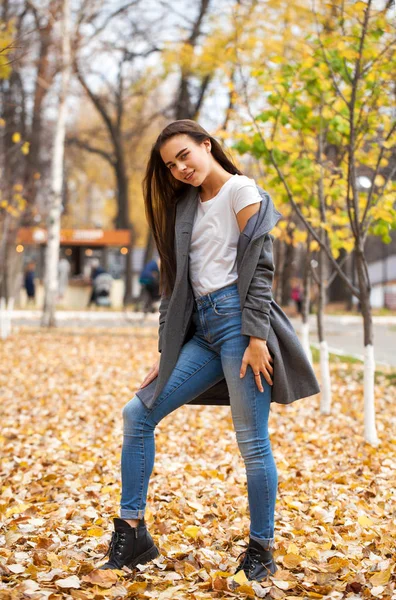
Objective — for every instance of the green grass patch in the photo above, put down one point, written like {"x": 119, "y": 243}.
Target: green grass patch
{"x": 334, "y": 358}
{"x": 388, "y": 373}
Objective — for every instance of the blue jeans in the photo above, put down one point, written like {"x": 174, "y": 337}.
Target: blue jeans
{"x": 214, "y": 352}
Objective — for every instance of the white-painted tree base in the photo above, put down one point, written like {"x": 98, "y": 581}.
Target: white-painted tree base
{"x": 5, "y": 317}
{"x": 305, "y": 341}
{"x": 370, "y": 430}
{"x": 325, "y": 397}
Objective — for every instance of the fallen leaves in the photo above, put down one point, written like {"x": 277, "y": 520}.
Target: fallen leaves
{"x": 62, "y": 395}
{"x": 106, "y": 578}
{"x": 70, "y": 582}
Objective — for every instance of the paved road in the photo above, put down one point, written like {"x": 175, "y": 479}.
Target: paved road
{"x": 344, "y": 333}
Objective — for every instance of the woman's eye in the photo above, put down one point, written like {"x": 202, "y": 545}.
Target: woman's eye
{"x": 185, "y": 155}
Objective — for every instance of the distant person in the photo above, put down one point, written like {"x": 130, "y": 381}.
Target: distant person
{"x": 149, "y": 279}
{"x": 29, "y": 283}
{"x": 101, "y": 286}
{"x": 296, "y": 295}
{"x": 63, "y": 276}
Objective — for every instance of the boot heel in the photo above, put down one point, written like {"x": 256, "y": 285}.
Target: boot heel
{"x": 145, "y": 557}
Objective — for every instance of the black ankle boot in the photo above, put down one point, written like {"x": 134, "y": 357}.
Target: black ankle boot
{"x": 129, "y": 546}
{"x": 257, "y": 563}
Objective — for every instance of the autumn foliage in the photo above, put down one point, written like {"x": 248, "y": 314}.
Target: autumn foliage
{"x": 61, "y": 402}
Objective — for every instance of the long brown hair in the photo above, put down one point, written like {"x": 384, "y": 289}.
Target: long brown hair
{"x": 162, "y": 192}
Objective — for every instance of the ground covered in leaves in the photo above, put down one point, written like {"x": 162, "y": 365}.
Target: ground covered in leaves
{"x": 61, "y": 399}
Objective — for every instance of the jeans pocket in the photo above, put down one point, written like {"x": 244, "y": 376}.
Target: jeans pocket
{"x": 228, "y": 306}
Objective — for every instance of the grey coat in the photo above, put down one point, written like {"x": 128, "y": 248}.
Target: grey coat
{"x": 293, "y": 377}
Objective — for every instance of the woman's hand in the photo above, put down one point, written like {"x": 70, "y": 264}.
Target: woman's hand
{"x": 259, "y": 358}
{"x": 152, "y": 374}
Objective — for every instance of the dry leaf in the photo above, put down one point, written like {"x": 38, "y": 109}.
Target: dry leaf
{"x": 291, "y": 561}
{"x": 382, "y": 577}
{"x": 105, "y": 578}
{"x": 16, "y": 568}
{"x": 283, "y": 585}
{"x": 192, "y": 531}
{"x": 70, "y": 582}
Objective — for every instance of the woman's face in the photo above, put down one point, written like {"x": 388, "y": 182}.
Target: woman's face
{"x": 188, "y": 161}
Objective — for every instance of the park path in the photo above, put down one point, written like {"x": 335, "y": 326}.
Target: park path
{"x": 344, "y": 333}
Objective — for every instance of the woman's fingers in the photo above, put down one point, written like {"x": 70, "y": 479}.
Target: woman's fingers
{"x": 153, "y": 373}
{"x": 267, "y": 377}
{"x": 148, "y": 380}
{"x": 258, "y": 382}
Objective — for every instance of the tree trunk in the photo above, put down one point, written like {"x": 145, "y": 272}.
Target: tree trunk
{"x": 122, "y": 218}
{"x": 306, "y": 303}
{"x": 287, "y": 273}
{"x": 325, "y": 398}
{"x": 279, "y": 245}
{"x": 44, "y": 78}
{"x": 54, "y": 215}
{"x": 370, "y": 431}
{"x": 128, "y": 268}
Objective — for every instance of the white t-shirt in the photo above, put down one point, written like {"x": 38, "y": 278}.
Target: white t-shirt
{"x": 215, "y": 234}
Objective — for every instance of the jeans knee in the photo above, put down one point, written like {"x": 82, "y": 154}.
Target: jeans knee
{"x": 130, "y": 414}
{"x": 134, "y": 416}
{"x": 254, "y": 449}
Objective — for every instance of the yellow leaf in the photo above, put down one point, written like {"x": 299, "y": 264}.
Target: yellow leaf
{"x": 220, "y": 574}
{"x": 246, "y": 589}
{"x": 16, "y": 137}
{"x": 137, "y": 587}
{"x": 382, "y": 577}
{"x": 291, "y": 561}
{"x": 335, "y": 564}
{"x": 95, "y": 532}
{"x": 364, "y": 521}
{"x": 192, "y": 531}
{"x": 240, "y": 577}
{"x": 25, "y": 148}
{"x": 16, "y": 510}
{"x": 299, "y": 236}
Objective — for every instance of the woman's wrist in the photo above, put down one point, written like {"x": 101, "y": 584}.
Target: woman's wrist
{"x": 257, "y": 340}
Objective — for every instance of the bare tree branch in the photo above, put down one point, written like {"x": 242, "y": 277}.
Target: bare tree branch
{"x": 74, "y": 141}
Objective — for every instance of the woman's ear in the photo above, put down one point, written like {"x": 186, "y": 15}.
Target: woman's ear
{"x": 208, "y": 145}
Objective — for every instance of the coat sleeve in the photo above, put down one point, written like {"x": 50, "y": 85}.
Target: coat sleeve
{"x": 256, "y": 310}
{"x": 163, "y": 309}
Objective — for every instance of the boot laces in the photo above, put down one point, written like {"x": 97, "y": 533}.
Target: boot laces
{"x": 249, "y": 561}
{"x": 115, "y": 546}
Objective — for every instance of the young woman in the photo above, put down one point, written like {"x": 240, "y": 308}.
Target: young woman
{"x": 222, "y": 338}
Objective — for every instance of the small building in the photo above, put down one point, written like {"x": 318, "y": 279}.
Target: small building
{"x": 81, "y": 247}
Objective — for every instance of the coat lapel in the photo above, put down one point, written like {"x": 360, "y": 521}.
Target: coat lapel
{"x": 185, "y": 212}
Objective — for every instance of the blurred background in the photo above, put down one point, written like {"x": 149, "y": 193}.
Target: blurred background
{"x": 86, "y": 86}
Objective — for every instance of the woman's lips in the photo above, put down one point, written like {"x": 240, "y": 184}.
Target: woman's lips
{"x": 189, "y": 177}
